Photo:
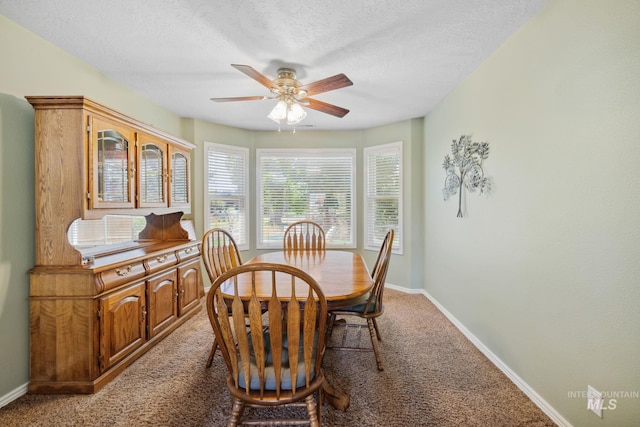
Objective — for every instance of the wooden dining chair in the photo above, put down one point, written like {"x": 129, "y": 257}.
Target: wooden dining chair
{"x": 219, "y": 254}
{"x": 275, "y": 360}
{"x": 304, "y": 235}
{"x": 369, "y": 310}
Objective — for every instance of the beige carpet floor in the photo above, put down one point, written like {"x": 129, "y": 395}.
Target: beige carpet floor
{"x": 433, "y": 377}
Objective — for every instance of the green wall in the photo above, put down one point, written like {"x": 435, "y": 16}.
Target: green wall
{"x": 17, "y": 248}
{"x": 544, "y": 271}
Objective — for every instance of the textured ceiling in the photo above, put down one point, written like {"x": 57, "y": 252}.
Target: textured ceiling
{"x": 402, "y": 56}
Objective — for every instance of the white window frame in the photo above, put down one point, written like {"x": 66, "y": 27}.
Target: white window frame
{"x": 242, "y": 241}
{"x": 369, "y": 153}
{"x": 288, "y": 152}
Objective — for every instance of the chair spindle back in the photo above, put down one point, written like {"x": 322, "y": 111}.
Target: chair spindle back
{"x": 304, "y": 235}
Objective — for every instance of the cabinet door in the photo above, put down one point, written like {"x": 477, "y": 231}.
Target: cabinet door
{"x": 152, "y": 172}
{"x": 163, "y": 296}
{"x": 189, "y": 284}
{"x": 111, "y": 164}
{"x": 122, "y": 324}
{"x": 179, "y": 172}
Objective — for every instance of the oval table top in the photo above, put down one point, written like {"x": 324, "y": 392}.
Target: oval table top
{"x": 342, "y": 275}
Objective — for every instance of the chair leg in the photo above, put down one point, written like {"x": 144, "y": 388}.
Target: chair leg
{"x": 319, "y": 402}
{"x": 236, "y": 412}
{"x": 213, "y": 352}
{"x": 374, "y": 343}
{"x": 330, "y": 322}
{"x": 312, "y": 410}
{"x": 375, "y": 325}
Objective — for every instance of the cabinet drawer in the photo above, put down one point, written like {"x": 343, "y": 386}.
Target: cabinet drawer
{"x": 122, "y": 274}
{"x": 188, "y": 253}
{"x": 161, "y": 261}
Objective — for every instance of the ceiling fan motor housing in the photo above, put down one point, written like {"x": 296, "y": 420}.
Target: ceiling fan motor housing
{"x": 286, "y": 82}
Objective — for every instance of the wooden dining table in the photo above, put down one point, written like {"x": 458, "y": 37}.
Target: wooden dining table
{"x": 343, "y": 277}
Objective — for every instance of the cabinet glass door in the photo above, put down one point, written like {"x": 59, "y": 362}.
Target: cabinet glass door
{"x": 112, "y": 165}
{"x": 153, "y": 172}
{"x": 179, "y": 178}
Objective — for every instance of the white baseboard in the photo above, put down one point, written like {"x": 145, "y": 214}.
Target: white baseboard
{"x": 13, "y": 395}
{"x": 519, "y": 382}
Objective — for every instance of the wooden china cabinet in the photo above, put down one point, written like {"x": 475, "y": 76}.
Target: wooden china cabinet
{"x": 95, "y": 309}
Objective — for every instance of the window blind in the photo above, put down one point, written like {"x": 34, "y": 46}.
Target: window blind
{"x": 226, "y": 191}
{"x": 383, "y": 190}
{"x": 306, "y": 184}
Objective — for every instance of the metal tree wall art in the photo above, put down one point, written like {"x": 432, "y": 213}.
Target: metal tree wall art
{"x": 464, "y": 169}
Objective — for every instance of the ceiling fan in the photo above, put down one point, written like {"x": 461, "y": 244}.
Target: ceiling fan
{"x": 292, "y": 95}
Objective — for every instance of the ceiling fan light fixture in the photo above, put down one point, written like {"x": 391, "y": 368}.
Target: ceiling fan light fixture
{"x": 279, "y": 112}
{"x": 295, "y": 114}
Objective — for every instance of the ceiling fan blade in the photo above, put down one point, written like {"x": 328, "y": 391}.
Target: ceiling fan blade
{"x": 239, "y": 98}
{"x": 260, "y": 78}
{"x": 325, "y": 85}
{"x": 323, "y": 107}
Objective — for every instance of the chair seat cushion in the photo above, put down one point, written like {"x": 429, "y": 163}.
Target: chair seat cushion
{"x": 361, "y": 307}
{"x": 270, "y": 377}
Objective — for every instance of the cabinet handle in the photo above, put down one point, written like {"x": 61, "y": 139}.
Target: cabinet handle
{"x": 188, "y": 250}
{"x": 122, "y": 273}
{"x": 144, "y": 314}
{"x": 162, "y": 258}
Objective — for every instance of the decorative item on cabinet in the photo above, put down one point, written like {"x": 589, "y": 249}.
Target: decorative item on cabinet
{"x": 96, "y": 308}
